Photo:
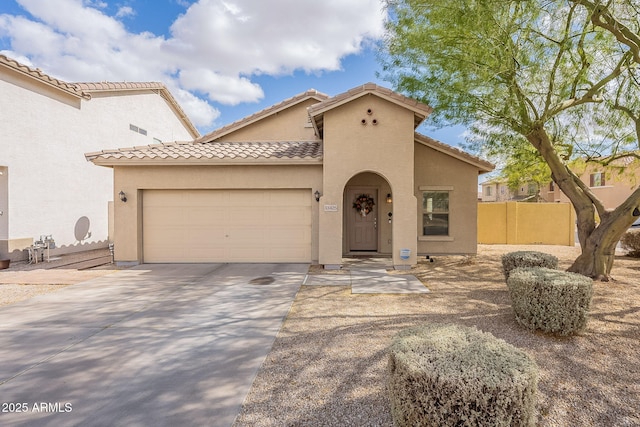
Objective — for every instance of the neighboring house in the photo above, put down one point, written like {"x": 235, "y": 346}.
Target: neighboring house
{"x": 497, "y": 190}
{"x": 46, "y": 186}
{"x": 611, "y": 184}
{"x": 311, "y": 179}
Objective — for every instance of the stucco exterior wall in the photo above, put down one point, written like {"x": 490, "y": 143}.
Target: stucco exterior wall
{"x": 291, "y": 124}
{"x": 133, "y": 180}
{"x": 436, "y": 171}
{"x": 385, "y": 148}
{"x": 52, "y": 189}
{"x": 514, "y": 223}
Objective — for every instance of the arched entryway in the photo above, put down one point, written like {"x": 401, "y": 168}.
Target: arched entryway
{"x": 368, "y": 214}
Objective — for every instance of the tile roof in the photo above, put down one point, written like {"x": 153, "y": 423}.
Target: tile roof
{"x": 84, "y": 90}
{"x": 482, "y": 165}
{"x": 45, "y": 78}
{"x": 316, "y": 111}
{"x": 233, "y": 152}
{"x": 225, "y": 130}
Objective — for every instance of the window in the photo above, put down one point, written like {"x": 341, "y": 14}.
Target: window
{"x": 552, "y": 186}
{"x": 487, "y": 191}
{"x": 596, "y": 179}
{"x": 435, "y": 213}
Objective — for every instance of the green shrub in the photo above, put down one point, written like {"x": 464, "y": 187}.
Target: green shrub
{"x": 517, "y": 259}
{"x": 631, "y": 242}
{"x": 450, "y": 375}
{"x": 550, "y": 300}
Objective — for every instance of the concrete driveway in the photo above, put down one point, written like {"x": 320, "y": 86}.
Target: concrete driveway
{"x": 156, "y": 345}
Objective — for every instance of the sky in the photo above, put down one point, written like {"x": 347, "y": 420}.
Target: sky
{"x": 221, "y": 59}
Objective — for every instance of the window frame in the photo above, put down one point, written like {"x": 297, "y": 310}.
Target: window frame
{"x": 422, "y": 211}
{"x": 597, "y": 176}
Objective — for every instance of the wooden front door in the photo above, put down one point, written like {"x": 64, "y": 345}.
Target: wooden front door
{"x": 362, "y": 221}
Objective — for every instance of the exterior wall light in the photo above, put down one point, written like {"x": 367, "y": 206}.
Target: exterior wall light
{"x": 389, "y": 199}
{"x": 317, "y": 195}
{"x": 123, "y": 197}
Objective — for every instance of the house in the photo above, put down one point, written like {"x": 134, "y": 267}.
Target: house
{"x": 46, "y": 186}
{"x": 612, "y": 184}
{"x": 497, "y": 190}
{"x": 311, "y": 179}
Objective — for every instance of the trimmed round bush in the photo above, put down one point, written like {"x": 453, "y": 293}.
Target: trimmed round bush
{"x": 451, "y": 375}
{"x": 550, "y": 300}
{"x": 631, "y": 242}
{"x": 513, "y": 260}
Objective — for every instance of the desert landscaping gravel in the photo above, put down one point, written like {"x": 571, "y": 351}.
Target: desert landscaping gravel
{"x": 328, "y": 364}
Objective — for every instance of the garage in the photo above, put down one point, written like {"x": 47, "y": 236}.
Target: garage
{"x": 226, "y": 225}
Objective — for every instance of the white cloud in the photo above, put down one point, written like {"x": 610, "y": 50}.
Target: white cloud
{"x": 125, "y": 11}
{"x": 215, "y": 47}
{"x": 224, "y": 89}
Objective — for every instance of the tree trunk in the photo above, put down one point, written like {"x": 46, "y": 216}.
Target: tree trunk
{"x": 599, "y": 242}
{"x": 596, "y": 259}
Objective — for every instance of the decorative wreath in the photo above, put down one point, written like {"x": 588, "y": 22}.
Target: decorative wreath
{"x": 364, "y": 204}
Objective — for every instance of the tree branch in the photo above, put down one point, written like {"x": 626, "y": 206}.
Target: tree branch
{"x": 602, "y": 211}
{"x": 592, "y": 95}
{"x": 562, "y": 48}
{"x": 602, "y": 17}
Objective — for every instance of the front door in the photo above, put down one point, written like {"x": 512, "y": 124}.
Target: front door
{"x": 362, "y": 219}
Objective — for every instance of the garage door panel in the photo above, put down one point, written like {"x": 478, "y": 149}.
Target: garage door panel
{"x": 292, "y": 216}
{"x": 227, "y": 225}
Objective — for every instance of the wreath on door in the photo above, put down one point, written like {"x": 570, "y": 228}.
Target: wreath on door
{"x": 364, "y": 204}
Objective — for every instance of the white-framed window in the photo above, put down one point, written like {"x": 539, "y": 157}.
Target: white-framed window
{"x": 435, "y": 213}
{"x": 488, "y": 191}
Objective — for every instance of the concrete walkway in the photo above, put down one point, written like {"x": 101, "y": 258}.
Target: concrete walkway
{"x": 369, "y": 276}
{"x": 156, "y": 345}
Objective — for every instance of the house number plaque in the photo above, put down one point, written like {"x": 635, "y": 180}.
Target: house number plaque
{"x": 331, "y": 208}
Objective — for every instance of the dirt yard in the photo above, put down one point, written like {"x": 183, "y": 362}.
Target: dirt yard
{"x": 328, "y": 364}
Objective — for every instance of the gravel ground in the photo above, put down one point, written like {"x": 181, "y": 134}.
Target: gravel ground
{"x": 327, "y": 366}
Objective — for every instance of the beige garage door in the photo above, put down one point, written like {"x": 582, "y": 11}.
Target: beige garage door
{"x": 226, "y": 226}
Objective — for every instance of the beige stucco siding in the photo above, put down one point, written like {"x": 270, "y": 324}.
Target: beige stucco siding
{"x": 133, "y": 180}
{"x": 440, "y": 172}
{"x": 291, "y": 124}
{"x": 384, "y": 148}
